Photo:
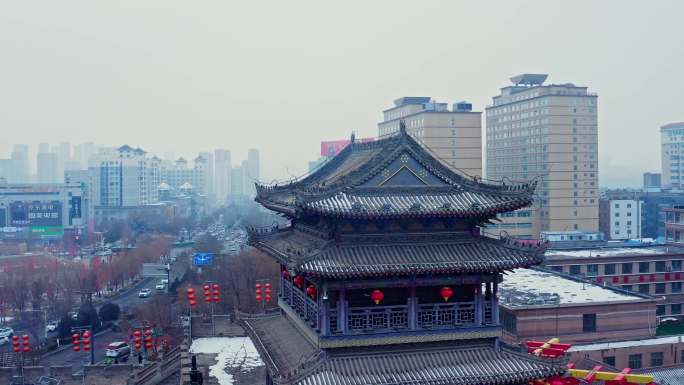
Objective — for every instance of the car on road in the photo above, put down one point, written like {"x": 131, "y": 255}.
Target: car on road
{"x": 4, "y": 340}
{"x": 118, "y": 350}
{"x": 164, "y": 281}
{"x": 51, "y": 326}
{"x": 144, "y": 293}
{"x": 160, "y": 286}
{"x": 6, "y": 331}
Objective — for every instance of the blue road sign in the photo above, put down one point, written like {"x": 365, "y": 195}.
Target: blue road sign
{"x": 203, "y": 259}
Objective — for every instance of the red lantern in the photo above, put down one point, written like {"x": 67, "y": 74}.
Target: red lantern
{"x": 298, "y": 281}
{"x": 267, "y": 297}
{"x": 446, "y": 293}
{"x": 377, "y": 296}
{"x": 311, "y": 291}
{"x": 286, "y": 274}
{"x": 258, "y": 297}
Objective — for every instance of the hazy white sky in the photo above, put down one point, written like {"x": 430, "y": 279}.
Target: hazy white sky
{"x": 188, "y": 76}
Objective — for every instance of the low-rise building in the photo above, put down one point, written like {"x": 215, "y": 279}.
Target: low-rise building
{"x": 538, "y": 304}
{"x": 674, "y": 224}
{"x": 620, "y": 219}
{"x": 648, "y": 269}
{"x": 634, "y": 353}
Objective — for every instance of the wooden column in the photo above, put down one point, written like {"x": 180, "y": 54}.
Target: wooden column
{"x": 342, "y": 312}
{"x": 479, "y": 305}
{"x": 323, "y": 314}
{"x": 413, "y": 307}
{"x": 488, "y": 294}
{"x": 495, "y": 303}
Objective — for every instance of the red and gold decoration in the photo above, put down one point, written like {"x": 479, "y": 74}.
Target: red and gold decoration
{"x": 137, "y": 340}
{"x": 446, "y": 292}
{"x": 216, "y": 292}
{"x": 191, "y": 297}
{"x": 377, "y": 296}
{"x": 86, "y": 341}
{"x": 311, "y": 291}
{"x": 21, "y": 346}
{"x": 267, "y": 292}
{"x": 257, "y": 292}
{"x": 207, "y": 293}
{"x": 75, "y": 342}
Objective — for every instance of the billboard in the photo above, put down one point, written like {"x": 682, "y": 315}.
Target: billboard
{"x": 46, "y": 231}
{"x": 331, "y": 148}
{"x": 35, "y": 213}
{"x": 203, "y": 259}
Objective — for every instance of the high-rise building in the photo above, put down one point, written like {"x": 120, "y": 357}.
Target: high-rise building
{"x": 548, "y": 132}
{"x": 672, "y": 150}
{"x": 179, "y": 173}
{"x": 124, "y": 177}
{"x": 46, "y": 165}
{"x": 252, "y": 171}
{"x": 237, "y": 183}
{"x": 20, "y": 172}
{"x": 63, "y": 156}
{"x": 83, "y": 152}
{"x": 222, "y": 171}
{"x": 209, "y": 180}
{"x": 452, "y": 136}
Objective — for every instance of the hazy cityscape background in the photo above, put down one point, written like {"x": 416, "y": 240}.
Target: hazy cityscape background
{"x": 181, "y": 78}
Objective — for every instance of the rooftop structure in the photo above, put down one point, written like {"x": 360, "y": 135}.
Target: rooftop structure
{"x": 385, "y": 275}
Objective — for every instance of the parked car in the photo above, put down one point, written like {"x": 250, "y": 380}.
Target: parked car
{"x": 118, "y": 350}
{"x": 4, "y": 340}
{"x": 144, "y": 293}
{"x": 160, "y": 286}
{"x": 51, "y": 326}
{"x": 6, "y": 331}
{"x": 164, "y": 281}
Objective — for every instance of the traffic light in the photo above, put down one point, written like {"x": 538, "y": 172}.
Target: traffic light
{"x": 207, "y": 293}
{"x": 191, "y": 297}
{"x": 15, "y": 344}
{"x": 137, "y": 340}
{"x": 86, "y": 341}
{"x": 148, "y": 339}
{"x": 76, "y": 342}
{"x": 267, "y": 292}
{"x": 25, "y": 343}
{"x": 216, "y": 292}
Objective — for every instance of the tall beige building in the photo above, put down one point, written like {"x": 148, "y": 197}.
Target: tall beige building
{"x": 453, "y": 136}
{"x": 550, "y": 132}
{"x": 672, "y": 152}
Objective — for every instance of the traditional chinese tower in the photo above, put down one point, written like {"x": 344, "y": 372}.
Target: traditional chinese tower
{"x": 385, "y": 276}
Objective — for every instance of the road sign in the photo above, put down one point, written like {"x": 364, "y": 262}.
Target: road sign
{"x": 203, "y": 259}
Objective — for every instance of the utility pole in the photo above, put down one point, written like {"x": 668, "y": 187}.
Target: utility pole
{"x": 89, "y": 300}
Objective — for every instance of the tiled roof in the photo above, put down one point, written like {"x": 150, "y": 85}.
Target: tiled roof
{"x": 451, "y": 202}
{"x": 397, "y": 255}
{"x": 342, "y": 186}
{"x": 464, "y": 363}
{"x": 667, "y": 375}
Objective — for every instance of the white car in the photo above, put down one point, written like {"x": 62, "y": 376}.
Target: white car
{"x": 144, "y": 293}
{"x": 118, "y": 350}
{"x": 4, "y": 340}
{"x": 51, "y": 326}
{"x": 160, "y": 286}
{"x": 164, "y": 281}
{"x": 6, "y": 331}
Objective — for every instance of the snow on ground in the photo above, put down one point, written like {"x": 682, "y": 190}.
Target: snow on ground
{"x": 607, "y": 252}
{"x": 627, "y": 344}
{"x": 235, "y": 354}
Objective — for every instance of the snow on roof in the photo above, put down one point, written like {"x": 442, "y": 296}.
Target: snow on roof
{"x": 233, "y": 354}
{"x": 613, "y": 252}
{"x": 627, "y": 344}
{"x": 530, "y": 287}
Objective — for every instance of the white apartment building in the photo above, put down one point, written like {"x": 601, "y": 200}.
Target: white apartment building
{"x": 124, "y": 176}
{"x": 452, "y": 135}
{"x": 222, "y": 171}
{"x": 180, "y": 173}
{"x": 548, "y": 132}
{"x": 621, "y": 218}
{"x": 672, "y": 155}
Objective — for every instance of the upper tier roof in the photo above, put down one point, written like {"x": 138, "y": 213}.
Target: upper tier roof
{"x": 392, "y": 177}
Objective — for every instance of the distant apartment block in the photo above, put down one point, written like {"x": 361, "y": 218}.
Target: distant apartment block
{"x": 453, "y": 136}
{"x": 550, "y": 132}
{"x": 672, "y": 154}
{"x": 620, "y": 219}
{"x": 652, "y": 180}
{"x": 674, "y": 224}
{"x": 180, "y": 174}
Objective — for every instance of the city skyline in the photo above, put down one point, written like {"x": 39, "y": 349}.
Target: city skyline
{"x": 182, "y": 89}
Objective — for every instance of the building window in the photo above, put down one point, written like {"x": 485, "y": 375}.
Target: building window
{"x": 676, "y": 265}
{"x": 643, "y": 289}
{"x": 676, "y": 287}
{"x": 626, "y": 268}
{"x": 609, "y": 360}
{"x": 609, "y": 269}
{"x": 557, "y": 268}
{"x": 660, "y": 310}
{"x": 592, "y": 270}
{"x": 660, "y": 288}
{"x": 634, "y": 361}
{"x": 509, "y": 322}
{"x": 575, "y": 269}
{"x": 660, "y": 266}
{"x": 657, "y": 359}
{"x": 588, "y": 323}
{"x": 676, "y": 309}
{"x": 644, "y": 267}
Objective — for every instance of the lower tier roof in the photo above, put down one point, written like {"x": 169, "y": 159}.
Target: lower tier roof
{"x": 292, "y": 359}
{"x": 399, "y": 254}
